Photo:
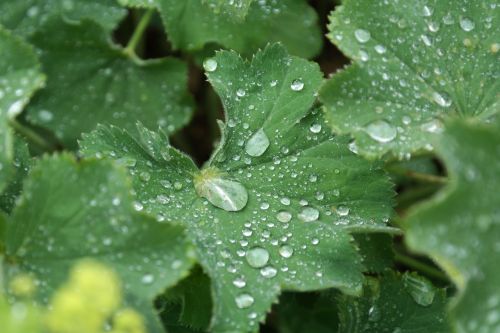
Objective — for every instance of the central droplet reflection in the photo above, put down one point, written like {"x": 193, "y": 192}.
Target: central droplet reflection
{"x": 220, "y": 191}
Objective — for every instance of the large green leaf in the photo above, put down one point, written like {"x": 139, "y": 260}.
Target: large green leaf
{"x": 459, "y": 228}
{"x": 417, "y": 63}
{"x": 27, "y": 16}
{"x": 288, "y": 191}
{"x": 93, "y": 81}
{"x": 407, "y": 304}
{"x": 69, "y": 211}
{"x": 19, "y": 78}
{"x": 191, "y": 24}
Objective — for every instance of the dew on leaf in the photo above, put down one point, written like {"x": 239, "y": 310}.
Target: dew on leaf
{"x": 433, "y": 126}
{"x": 257, "y": 144}
{"x": 441, "y": 99}
{"x": 421, "y": 290}
{"x": 466, "y": 24}
{"x": 315, "y": 128}
{"x": 286, "y": 251}
{"x": 362, "y": 35}
{"x": 147, "y": 279}
{"x": 221, "y": 192}
{"x": 239, "y": 283}
{"x": 309, "y": 214}
{"x": 297, "y": 85}
{"x": 381, "y": 131}
{"x": 284, "y": 216}
{"x": 343, "y": 210}
{"x": 210, "y": 65}
{"x": 257, "y": 257}
{"x": 268, "y": 272}
{"x": 244, "y": 301}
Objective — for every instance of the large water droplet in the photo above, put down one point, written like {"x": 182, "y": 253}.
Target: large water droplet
{"x": 257, "y": 144}
{"x": 221, "y": 192}
{"x": 381, "y": 131}
{"x": 466, "y": 24}
{"x": 257, "y": 257}
{"x": 421, "y": 290}
{"x": 244, "y": 301}
{"x": 210, "y": 65}
{"x": 309, "y": 214}
{"x": 362, "y": 35}
{"x": 297, "y": 85}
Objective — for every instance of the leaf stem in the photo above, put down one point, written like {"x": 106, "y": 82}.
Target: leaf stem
{"x": 138, "y": 33}
{"x": 421, "y": 267}
{"x": 31, "y": 135}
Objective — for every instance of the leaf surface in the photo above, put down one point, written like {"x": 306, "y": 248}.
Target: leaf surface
{"x": 276, "y": 219}
{"x": 459, "y": 227}
{"x": 416, "y": 64}
{"x": 71, "y": 211}
{"x": 92, "y": 81}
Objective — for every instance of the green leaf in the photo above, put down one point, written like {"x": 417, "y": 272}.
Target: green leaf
{"x": 284, "y": 216}
{"x": 417, "y": 63}
{"x": 21, "y": 164}
{"x": 393, "y": 304}
{"x": 376, "y": 251}
{"x": 27, "y": 16}
{"x": 92, "y": 81}
{"x": 459, "y": 227}
{"x": 19, "y": 78}
{"x": 71, "y": 211}
{"x": 236, "y": 9}
{"x": 191, "y": 24}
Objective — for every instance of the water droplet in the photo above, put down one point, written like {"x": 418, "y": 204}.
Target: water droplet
{"x": 441, "y": 99}
{"x": 240, "y": 93}
{"x": 309, "y": 214}
{"x": 268, "y": 272}
{"x": 286, "y": 251}
{"x": 466, "y": 24}
{"x": 343, "y": 210}
{"x": 224, "y": 193}
{"x": 239, "y": 283}
{"x": 285, "y": 201}
{"x": 433, "y": 126}
{"x": 421, "y": 290}
{"x": 381, "y": 131}
{"x": 147, "y": 278}
{"x": 284, "y": 216}
{"x": 210, "y": 65}
{"x": 380, "y": 49}
{"x": 297, "y": 85}
{"x": 362, "y": 35}
{"x": 244, "y": 301}
{"x": 315, "y": 128}
{"x": 257, "y": 257}
{"x": 138, "y": 206}
{"x": 427, "y": 11}
{"x": 257, "y": 144}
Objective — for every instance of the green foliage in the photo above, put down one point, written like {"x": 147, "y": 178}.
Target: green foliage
{"x": 135, "y": 197}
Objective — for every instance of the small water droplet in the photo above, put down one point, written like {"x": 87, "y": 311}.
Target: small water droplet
{"x": 362, "y": 35}
{"x": 284, "y": 216}
{"x": 427, "y": 11}
{"x": 147, "y": 278}
{"x": 420, "y": 289}
{"x": 343, "y": 210}
{"x": 257, "y": 144}
{"x": 315, "y": 128}
{"x": 210, "y": 65}
{"x": 433, "y": 126}
{"x": 239, "y": 283}
{"x": 268, "y": 272}
{"x": 381, "y": 131}
{"x": 297, "y": 85}
{"x": 466, "y": 24}
{"x": 286, "y": 251}
{"x": 257, "y": 257}
{"x": 240, "y": 93}
{"x": 309, "y": 214}
{"x": 441, "y": 99}
{"x": 244, "y": 301}
{"x": 380, "y": 49}
{"x": 285, "y": 201}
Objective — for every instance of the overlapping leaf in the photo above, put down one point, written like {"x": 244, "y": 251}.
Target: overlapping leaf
{"x": 237, "y": 9}
{"x": 71, "y": 211}
{"x": 19, "y": 78}
{"x": 459, "y": 228}
{"x": 416, "y": 64}
{"x": 191, "y": 24}
{"x": 288, "y": 190}
{"x": 405, "y": 305}
{"x": 92, "y": 81}
{"x": 27, "y": 16}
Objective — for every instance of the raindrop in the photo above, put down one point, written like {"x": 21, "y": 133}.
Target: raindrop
{"x": 227, "y": 194}
{"x": 441, "y": 99}
{"x": 147, "y": 279}
{"x": 297, "y": 85}
{"x": 286, "y": 251}
{"x": 380, "y": 49}
{"x": 268, "y": 272}
{"x": 421, "y": 290}
{"x": 309, "y": 214}
{"x": 210, "y": 65}
{"x": 257, "y": 144}
{"x": 466, "y": 24}
{"x": 257, "y": 257}
{"x": 240, "y": 93}
{"x": 381, "y": 131}
{"x": 343, "y": 210}
{"x": 433, "y": 126}
{"x": 427, "y": 11}
{"x": 315, "y": 128}
{"x": 244, "y": 301}
{"x": 239, "y": 283}
{"x": 362, "y": 35}
{"x": 285, "y": 201}
{"x": 284, "y": 216}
